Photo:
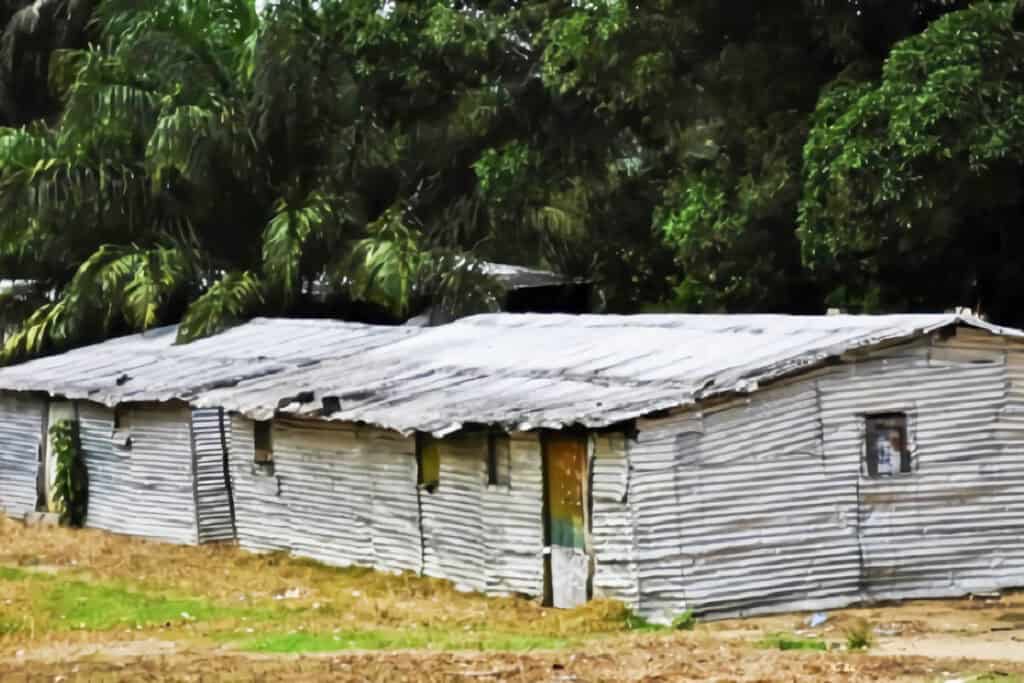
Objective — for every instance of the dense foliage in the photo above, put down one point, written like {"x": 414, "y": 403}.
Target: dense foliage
{"x": 71, "y": 476}
{"x": 205, "y": 160}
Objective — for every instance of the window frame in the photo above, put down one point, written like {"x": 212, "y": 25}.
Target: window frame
{"x": 893, "y": 421}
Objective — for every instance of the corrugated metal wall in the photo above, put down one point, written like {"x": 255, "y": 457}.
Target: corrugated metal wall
{"x": 454, "y": 542}
{"x": 347, "y": 495}
{"x": 612, "y": 522}
{"x": 160, "y": 465}
{"x": 146, "y": 488}
{"x": 112, "y": 500}
{"x": 514, "y": 523}
{"x": 654, "y": 498}
{"x": 261, "y": 516}
{"x": 761, "y": 505}
{"x": 487, "y": 538}
{"x": 212, "y": 489}
{"x": 340, "y": 494}
{"x": 953, "y": 525}
{"x": 396, "y": 519}
{"x": 21, "y": 428}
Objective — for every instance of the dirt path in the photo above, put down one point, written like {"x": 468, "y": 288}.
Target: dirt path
{"x": 684, "y": 657}
{"x": 1002, "y": 647}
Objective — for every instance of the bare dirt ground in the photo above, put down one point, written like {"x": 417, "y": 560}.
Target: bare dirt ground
{"x": 672, "y": 658}
{"x": 88, "y": 606}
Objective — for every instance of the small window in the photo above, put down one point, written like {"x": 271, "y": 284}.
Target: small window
{"x": 264, "y": 447}
{"x": 120, "y": 435}
{"x": 886, "y": 452}
{"x": 428, "y": 462}
{"x": 498, "y": 460}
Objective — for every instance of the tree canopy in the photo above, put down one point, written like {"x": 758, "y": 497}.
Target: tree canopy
{"x": 204, "y": 161}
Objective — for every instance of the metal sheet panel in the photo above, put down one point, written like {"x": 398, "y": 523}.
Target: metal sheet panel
{"x": 513, "y": 518}
{"x": 396, "y": 517}
{"x": 21, "y": 428}
{"x": 346, "y": 495}
{"x": 160, "y": 475}
{"x": 615, "y": 569}
{"x": 112, "y": 499}
{"x": 339, "y": 494}
{"x": 145, "y": 487}
{"x": 815, "y": 532}
{"x": 261, "y": 516}
{"x": 952, "y": 526}
{"x": 707, "y": 541}
{"x": 454, "y": 543}
{"x": 522, "y": 372}
{"x": 327, "y": 488}
{"x": 214, "y": 507}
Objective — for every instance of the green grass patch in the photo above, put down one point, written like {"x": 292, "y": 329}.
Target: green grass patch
{"x": 12, "y": 574}
{"x": 635, "y": 622}
{"x": 786, "y": 641}
{"x": 290, "y": 643}
{"x": 685, "y": 621}
{"x": 79, "y": 605}
{"x": 8, "y": 627}
{"x": 996, "y": 678}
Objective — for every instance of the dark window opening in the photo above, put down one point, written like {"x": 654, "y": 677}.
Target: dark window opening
{"x": 428, "y": 462}
{"x": 499, "y": 457}
{"x": 121, "y": 434}
{"x": 263, "y": 447}
{"x": 886, "y": 452}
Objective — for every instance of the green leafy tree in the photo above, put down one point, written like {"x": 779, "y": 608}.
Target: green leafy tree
{"x": 187, "y": 177}
{"x": 912, "y": 181}
{"x": 203, "y": 162}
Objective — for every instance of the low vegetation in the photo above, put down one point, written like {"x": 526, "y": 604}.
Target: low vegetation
{"x": 685, "y": 621}
{"x": 859, "y": 635}
{"x": 105, "y": 607}
{"x": 90, "y": 583}
{"x": 787, "y": 641}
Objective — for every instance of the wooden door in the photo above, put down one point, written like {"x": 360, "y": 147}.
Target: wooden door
{"x": 565, "y": 477}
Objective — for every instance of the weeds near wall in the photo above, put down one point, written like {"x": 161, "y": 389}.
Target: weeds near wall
{"x": 685, "y": 621}
{"x": 71, "y": 483}
{"x": 859, "y": 635}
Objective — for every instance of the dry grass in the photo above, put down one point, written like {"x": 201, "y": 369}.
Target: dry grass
{"x": 86, "y": 605}
{"x": 236, "y": 592}
{"x": 677, "y": 658}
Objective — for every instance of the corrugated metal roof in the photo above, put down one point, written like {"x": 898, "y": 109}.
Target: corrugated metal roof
{"x": 151, "y": 367}
{"x": 519, "y": 371}
{"x": 519, "y": 277}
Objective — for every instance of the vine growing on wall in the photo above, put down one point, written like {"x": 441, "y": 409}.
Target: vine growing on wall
{"x": 71, "y": 481}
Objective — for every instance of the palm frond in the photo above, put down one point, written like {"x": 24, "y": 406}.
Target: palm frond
{"x": 382, "y": 267}
{"x": 180, "y": 142}
{"x": 284, "y": 240}
{"x": 158, "y": 274}
{"x": 230, "y": 300}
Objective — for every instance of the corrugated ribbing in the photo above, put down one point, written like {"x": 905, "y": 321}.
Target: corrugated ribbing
{"x": 21, "y": 428}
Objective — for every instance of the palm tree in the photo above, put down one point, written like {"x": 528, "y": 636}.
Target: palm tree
{"x": 208, "y": 163}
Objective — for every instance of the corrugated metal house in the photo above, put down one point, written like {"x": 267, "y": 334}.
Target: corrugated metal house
{"x": 158, "y": 467}
{"x": 726, "y": 464}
